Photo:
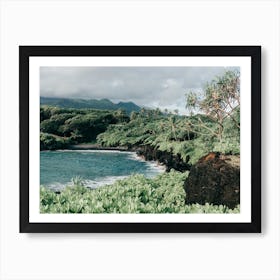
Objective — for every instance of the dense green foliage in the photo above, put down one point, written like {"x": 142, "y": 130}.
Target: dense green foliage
{"x": 61, "y": 127}
{"x": 135, "y": 194}
{"x": 52, "y": 142}
{"x": 102, "y": 104}
{"x": 169, "y": 132}
{"x": 164, "y": 132}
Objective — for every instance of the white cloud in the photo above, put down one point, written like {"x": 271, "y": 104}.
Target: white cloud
{"x": 117, "y": 83}
{"x": 164, "y": 87}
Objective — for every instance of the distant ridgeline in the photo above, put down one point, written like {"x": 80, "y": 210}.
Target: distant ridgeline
{"x": 102, "y": 104}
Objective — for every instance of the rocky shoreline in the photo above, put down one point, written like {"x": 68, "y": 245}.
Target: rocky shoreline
{"x": 146, "y": 152}
{"x": 168, "y": 159}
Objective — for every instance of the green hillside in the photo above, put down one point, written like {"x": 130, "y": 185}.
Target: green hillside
{"x": 102, "y": 104}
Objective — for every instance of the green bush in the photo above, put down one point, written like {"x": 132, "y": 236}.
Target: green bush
{"x": 53, "y": 142}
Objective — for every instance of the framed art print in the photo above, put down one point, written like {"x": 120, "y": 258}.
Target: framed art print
{"x": 140, "y": 138}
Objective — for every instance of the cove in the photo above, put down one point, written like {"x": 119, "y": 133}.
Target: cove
{"x": 95, "y": 167}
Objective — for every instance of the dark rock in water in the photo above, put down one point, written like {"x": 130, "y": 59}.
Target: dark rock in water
{"x": 170, "y": 160}
{"x": 214, "y": 180}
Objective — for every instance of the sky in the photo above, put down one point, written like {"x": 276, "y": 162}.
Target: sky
{"x": 163, "y": 87}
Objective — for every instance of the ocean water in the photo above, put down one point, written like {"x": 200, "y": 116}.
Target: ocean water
{"x": 96, "y": 168}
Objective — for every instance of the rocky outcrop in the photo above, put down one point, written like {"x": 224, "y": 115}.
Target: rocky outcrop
{"x": 214, "y": 179}
{"x": 170, "y": 160}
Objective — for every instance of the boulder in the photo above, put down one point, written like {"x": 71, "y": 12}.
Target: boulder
{"x": 214, "y": 179}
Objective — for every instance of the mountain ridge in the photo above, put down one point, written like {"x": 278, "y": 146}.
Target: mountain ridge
{"x": 77, "y": 103}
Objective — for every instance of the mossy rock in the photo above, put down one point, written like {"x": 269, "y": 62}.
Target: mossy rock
{"x": 214, "y": 179}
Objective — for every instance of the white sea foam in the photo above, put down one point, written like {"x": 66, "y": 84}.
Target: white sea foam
{"x": 100, "y": 182}
{"x": 153, "y": 165}
{"x": 134, "y": 156}
{"x": 56, "y": 186}
{"x": 92, "y": 184}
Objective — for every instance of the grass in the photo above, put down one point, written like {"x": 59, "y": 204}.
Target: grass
{"x": 135, "y": 194}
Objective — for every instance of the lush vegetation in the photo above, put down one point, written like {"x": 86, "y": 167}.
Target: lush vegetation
{"x": 136, "y": 194}
{"x": 169, "y": 132}
{"x": 62, "y": 127}
{"x": 165, "y": 132}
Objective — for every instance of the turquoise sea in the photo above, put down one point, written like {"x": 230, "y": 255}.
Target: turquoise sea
{"x": 95, "y": 167}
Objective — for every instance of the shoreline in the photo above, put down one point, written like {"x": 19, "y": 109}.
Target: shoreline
{"x": 84, "y": 147}
{"x": 98, "y": 147}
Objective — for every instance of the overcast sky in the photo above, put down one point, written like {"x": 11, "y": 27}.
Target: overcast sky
{"x": 163, "y": 87}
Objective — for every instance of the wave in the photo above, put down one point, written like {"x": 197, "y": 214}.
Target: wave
{"x": 153, "y": 165}
{"x": 91, "y": 184}
{"x": 100, "y": 182}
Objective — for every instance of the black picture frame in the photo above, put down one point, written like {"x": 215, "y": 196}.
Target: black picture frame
{"x": 254, "y": 52}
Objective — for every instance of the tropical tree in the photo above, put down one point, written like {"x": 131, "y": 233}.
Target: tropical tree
{"x": 219, "y": 100}
{"x": 173, "y": 126}
{"x": 133, "y": 115}
{"x": 158, "y": 112}
{"x": 121, "y": 115}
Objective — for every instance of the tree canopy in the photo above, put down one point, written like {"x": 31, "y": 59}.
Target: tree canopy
{"x": 219, "y": 100}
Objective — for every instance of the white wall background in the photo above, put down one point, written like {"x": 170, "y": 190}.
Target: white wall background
{"x": 139, "y": 256}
